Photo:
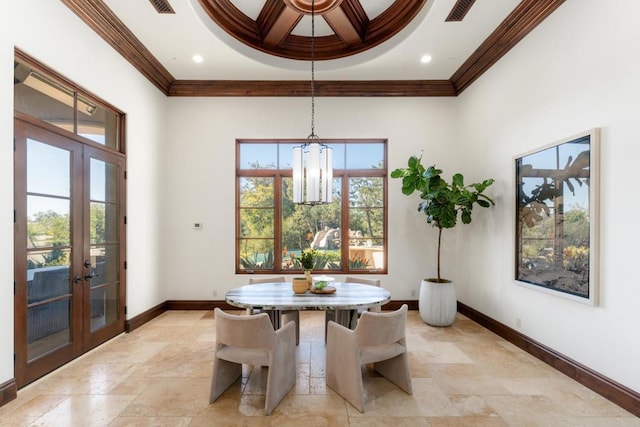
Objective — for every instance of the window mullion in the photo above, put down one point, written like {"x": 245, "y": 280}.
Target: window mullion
{"x": 344, "y": 253}
{"x": 277, "y": 219}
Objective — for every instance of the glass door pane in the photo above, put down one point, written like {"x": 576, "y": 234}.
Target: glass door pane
{"x": 104, "y": 244}
{"x": 49, "y": 291}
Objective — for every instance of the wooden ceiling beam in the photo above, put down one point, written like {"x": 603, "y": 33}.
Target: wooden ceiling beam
{"x": 276, "y": 21}
{"x": 349, "y": 21}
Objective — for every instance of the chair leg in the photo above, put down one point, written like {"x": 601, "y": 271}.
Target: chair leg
{"x": 279, "y": 384}
{"x": 396, "y": 370}
{"x": 225, "y": 373}
{"x": 344, "y": 372}
{"x": 281, "y": 377}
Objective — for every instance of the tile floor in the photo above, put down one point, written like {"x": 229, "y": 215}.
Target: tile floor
{"x": 159, "y": 375}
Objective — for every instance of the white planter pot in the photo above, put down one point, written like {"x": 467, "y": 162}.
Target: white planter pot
{"x": 437, "y": 303}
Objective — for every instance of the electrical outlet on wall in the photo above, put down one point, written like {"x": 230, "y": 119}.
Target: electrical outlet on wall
{"x": 518, "y": 323}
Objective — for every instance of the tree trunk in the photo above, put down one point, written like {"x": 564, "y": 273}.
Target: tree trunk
{"x": 439, "y": 241}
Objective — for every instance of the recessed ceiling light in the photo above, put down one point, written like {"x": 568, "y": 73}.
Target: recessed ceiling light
{"x": 197, "y": 58}
{"x": 425, "y": 59}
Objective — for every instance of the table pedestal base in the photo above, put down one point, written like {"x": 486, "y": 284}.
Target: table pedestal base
{"x": 346, "y": 318}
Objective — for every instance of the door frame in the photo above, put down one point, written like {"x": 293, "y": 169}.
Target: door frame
{"x": 81, "y": 340}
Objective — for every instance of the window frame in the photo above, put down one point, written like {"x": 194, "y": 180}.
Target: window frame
{"x": 78, "y": 93}
{"x": 344, "y": 175}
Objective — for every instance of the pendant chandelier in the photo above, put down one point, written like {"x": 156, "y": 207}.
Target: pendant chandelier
{"x": 313, "y": 160}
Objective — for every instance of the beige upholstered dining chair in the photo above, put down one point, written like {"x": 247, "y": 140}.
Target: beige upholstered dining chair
{"x": 285, "y": 315}
{"x": 331, "y": 314}
{"x": 379, "y": 338}
{"x": 252, "y": 340}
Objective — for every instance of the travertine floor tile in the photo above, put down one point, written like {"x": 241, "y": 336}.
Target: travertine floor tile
{"x": 85, "y": 410}
{"x": 152, "y": 422}
{"x": 160, "y": 375}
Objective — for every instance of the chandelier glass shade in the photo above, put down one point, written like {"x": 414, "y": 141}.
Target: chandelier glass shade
{"x": 312, "y": 172}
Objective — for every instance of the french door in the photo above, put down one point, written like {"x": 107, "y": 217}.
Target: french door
{"x": 69, "y": 247}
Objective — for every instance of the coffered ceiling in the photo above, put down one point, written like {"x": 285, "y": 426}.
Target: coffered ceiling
{"x": 360, "y": 47}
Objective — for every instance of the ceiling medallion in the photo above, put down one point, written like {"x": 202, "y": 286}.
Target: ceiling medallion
{"x": 353, "y": 30}
{"x": 320, "y": 7}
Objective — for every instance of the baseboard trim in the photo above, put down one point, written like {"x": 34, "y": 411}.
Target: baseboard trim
{"x": 394, "y": 305}
{"x": 8, "y": 391}
{"x": 606, "y": 387}
{"x": 198, "y": 305}
{"x": 144, "y": 317}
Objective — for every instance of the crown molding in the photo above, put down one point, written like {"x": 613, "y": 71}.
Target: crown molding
{"x": 295, "y": 88}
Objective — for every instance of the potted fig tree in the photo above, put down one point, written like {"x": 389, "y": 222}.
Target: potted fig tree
{"x": 441, "y": 202}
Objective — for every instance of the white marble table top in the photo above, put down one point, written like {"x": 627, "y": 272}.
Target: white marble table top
{"x": 280, "y": 296}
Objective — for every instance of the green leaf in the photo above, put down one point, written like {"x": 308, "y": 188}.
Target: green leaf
{"x": 398, "y": 173}
{"x": 413, "y": 162}
{"x": 483, "y": 203}
{"x": 483, "y": 186}
{"x": 486, "y": 198}
{"x": 432, "y": 172}
{"x": 447, "y": 218}
{"x": 466, "y": 216}
{"x": 407, "y": 188}
{"x": 458, "y": 180}
{"x": 435, "y": 182}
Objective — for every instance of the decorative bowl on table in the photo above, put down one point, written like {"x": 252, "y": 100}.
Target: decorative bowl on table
{"x": 322, "y": 285}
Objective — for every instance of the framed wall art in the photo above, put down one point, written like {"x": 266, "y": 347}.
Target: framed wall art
{"x": 557, "y": 217}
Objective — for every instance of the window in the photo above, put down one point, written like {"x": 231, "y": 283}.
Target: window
{"x": 350, "y": 234}
{"x": 43, "y": 94}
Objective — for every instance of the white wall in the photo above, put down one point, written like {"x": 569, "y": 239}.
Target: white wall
{"x": 576, "y": 71}
{"x": 52, "y": 34}
{"x": 199, "y": 171}
{"x": 6, "y": 198}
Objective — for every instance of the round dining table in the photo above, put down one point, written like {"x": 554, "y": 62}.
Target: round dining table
{"x": 273, "y": 298}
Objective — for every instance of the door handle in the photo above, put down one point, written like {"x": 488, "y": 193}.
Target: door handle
{"x": 88, "y": 276}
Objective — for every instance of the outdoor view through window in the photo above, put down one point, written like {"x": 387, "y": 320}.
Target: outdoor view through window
{"x": 349, "y": 235}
